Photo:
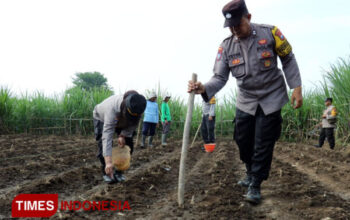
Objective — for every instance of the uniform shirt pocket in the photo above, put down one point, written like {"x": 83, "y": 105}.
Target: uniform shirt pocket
{"x": 267, "y": 59}
{"x": 237, "y": 67}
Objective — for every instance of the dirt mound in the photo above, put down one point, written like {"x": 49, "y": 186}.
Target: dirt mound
{"x": 305, "y": 182}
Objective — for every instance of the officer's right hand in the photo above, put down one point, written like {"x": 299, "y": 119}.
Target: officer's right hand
{"x": 297, "y": 98}
{"x": 197, "y": 87}
{"x": 109, "y": 169}
{"x": 121, "y": 141}
{"x": 109, "y": 166}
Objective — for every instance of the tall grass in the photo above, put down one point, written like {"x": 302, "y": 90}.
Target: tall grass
{"x": 336, "y": 84}
{"x": 6, "y": 108}
{"x": 33, "y": 111}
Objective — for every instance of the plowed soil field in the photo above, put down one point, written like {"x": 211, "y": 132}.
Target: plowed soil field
{"x": 305, "y": 182}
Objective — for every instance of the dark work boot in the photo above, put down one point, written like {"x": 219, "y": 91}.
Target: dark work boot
{"x": 107, "y": 179}
{"x": 253, "y": 196}
{"x": 118, "y": 176}
{"x": 164, "y": 140}
{"x": 143, "y": 141}
{"x": 150, "y": 140}
{"x": 246, "y": 181}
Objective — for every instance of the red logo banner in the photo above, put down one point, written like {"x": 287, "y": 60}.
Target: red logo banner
{"x": 34, "y": 205}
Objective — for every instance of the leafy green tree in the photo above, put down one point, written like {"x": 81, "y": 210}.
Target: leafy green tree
{"x": 90, "y": 80}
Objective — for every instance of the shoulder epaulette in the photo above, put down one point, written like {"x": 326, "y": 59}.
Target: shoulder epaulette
{"x": 266, "y": 26}
{"x": 229, "y": 37}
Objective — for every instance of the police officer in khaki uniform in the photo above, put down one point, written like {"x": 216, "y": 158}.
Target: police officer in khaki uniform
{"x": 329, "y": 119}
{"x": 250, "y": 54}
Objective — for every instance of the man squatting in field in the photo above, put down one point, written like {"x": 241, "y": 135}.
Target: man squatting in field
{"x": 250, "y": 53}
{"x": 329, "y": 119}
{"x": 120, "y": 114}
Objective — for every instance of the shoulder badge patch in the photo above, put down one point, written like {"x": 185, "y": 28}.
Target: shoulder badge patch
{"x": 334, "y": 112}
{"x": 212, "y": 100}
{"x": 279, "y": 34}
{"x": 282, "y": 46}
{"x": 218, "y": 57}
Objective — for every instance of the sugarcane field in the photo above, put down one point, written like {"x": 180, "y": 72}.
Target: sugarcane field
{"x": 226, "y": 109}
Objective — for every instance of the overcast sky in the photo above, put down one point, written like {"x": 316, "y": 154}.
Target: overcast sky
{"x": 137, "y": 44}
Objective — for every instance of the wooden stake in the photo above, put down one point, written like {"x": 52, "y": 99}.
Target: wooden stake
{"x": 138, "y": 133}
{"x": 195, "y": 136}
{"x": 185, "y": 141}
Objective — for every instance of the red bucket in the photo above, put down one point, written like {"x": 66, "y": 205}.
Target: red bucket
{"x": 209, "y": 147}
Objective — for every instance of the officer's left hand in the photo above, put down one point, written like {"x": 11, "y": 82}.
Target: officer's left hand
{"x": 297, "y": 98}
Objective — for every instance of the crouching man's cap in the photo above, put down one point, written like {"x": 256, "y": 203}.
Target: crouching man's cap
{"x": 135, "y": 105}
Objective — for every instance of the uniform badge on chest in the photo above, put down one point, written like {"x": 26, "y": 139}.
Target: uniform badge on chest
{"x": 262, "y": 41}
{"x": 267, "y": 63}
{"x": 266, "y": 54}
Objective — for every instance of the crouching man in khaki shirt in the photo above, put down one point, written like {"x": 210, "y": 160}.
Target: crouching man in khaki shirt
{"x": 120, "y": 114}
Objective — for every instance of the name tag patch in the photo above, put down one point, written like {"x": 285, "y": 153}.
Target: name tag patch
{"x": 236, "y": 61}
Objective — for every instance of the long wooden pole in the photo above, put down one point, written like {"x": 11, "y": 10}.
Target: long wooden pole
{"x": 185, "y": 141}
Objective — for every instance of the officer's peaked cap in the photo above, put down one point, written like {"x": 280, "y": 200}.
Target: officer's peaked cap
{"x": 233, "y": 12}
